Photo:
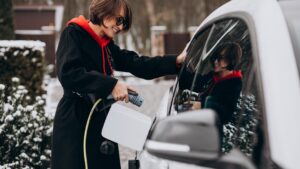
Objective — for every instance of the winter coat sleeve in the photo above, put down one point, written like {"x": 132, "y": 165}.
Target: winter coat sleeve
{"x": 142, "y": 66}
{"x": 72, "y": 72}
{"x": 223, "y": 98}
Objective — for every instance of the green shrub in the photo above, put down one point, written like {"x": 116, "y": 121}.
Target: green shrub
{"x": 25, "y": 60}
{"x": 241, "y": 131}
{"x": 25, "y": 129}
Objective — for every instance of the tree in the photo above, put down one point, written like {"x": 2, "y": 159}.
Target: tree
{"x": 74, "y": 8}
{"x": 6, "y": 20}
{"x": 177, "y": 15}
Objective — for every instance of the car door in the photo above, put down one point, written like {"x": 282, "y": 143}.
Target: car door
{"x": 245, "y": 130}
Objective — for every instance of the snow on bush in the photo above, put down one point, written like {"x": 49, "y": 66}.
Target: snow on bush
{"x": 22, "y": 44}
{"x": 25, "y": 60}
{"x": 241, "y": 131}
{"x": 25, "y": 129}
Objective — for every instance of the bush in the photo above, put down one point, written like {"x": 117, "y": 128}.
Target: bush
{"x": 25, "y": 60}
{"x": 25, "y": 129}
{"x": 241, "y": 131}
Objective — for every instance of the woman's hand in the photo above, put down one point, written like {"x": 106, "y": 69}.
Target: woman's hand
{"x": 120, "y": 91}
{"x": 193, "y": 105}
{"x": 196, "y": 105}
{"x": 180, "y": 58}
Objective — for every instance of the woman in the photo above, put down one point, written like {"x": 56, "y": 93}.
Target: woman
{"x": 85, "y": 60}
{"x": 223, "y": 85}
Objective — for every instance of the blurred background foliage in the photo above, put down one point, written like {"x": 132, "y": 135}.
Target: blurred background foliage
{"x": 6, "y": 20}
{"x": 176, "y": 15}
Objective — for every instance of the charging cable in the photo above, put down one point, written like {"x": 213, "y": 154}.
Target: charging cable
{"x": 86, "y": 131}
{"x": 133, "y": 98}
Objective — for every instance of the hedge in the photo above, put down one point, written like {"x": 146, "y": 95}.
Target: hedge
{"x": 24, "y": 60}
{"x": 25, "y": 129}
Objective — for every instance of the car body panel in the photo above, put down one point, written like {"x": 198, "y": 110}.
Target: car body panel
{"x": 275, "y": 51}
{"x": 278, "y": 73}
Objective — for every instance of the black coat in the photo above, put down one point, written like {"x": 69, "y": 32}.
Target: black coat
{"x": 79, "y": 69}
{"x": 221, "y": 96}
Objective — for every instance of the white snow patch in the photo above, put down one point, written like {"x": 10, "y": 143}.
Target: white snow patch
{"x": 2, "y": 86}
{"x": 35, "y": 45}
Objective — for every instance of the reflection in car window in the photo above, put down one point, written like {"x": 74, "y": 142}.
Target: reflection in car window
{"x": 245, "y": 118}
{"x": 220, "y": 88}
{"x": 193, "y": 57}
{"x": 239, "y": 98}
{"x": 195, "y": 50}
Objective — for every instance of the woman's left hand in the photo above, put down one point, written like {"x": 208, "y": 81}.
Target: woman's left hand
{"x": 180, "y": 58}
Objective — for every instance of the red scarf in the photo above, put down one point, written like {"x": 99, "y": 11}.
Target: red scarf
{"x": 102, "y": 41}
{"x": 234, "y": 74}
{"x": 216, "y": 79}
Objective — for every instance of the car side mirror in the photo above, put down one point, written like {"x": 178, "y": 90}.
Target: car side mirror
{"x": 194, "y": 137}
{"x": 190, "y": 137}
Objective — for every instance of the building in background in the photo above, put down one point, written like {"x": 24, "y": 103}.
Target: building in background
{"x": 39, "y": 22}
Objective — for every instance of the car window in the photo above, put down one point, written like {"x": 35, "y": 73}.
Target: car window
{"x": 235, "y": 97}
{"x": 186, "y": 75}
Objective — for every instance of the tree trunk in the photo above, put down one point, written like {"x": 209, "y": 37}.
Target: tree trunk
{"x": 6, "y": 20}
{"x": 151, "y": 12}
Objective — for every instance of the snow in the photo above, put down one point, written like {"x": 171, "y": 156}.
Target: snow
{"x": 43, "y": 157}
{"x": 2, "y": 87}
{"x": 21, "y": 91}
{"x": 17, "y": 113}
{"x": 26, "y": 52}
{"x": 35, "y": 125}
{"x": 9, "y": 118}
{"x": 24, "y": 155}
{"x": 30, "y": 125}
{"x": 16, "y": 53}
{"x": 15, "y": 79}
{"x": 29, "y": 108}
{"x": 33, "y": 60}
{"x": 37, "y": 139}
{"x": 35, "y": 45}
{"x": 21, "y": 87}
{"x": 20, "y": 107}
{"x": 40, "y": 102}
{"x": 23, "y": 130}
{"x": 34, "y": 114}
{"x": 8, "y": 107}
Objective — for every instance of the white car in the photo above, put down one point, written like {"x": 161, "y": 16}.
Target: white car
{"x": 264, "y": 129}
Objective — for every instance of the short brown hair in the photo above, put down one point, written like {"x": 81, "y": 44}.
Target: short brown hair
{"x": 232, "y": 54}
{"x": 100, "y": 9}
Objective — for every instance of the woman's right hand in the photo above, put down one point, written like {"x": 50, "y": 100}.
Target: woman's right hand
{"x": 120, "y": 91}
{"x": 193, "y": 105}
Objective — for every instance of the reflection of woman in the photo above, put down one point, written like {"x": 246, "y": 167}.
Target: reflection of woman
{"x": 86, "y": 58}
{"x": 223, "y": 88}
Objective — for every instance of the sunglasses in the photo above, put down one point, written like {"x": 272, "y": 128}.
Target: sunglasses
{"x": 120, "y": 20}
{"x": 217, "y": 57}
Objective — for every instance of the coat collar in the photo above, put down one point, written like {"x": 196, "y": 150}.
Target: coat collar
{"x": 102, "y": 41}
{"x": 84, "y": 23}
{"x": 234, "y": 74}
